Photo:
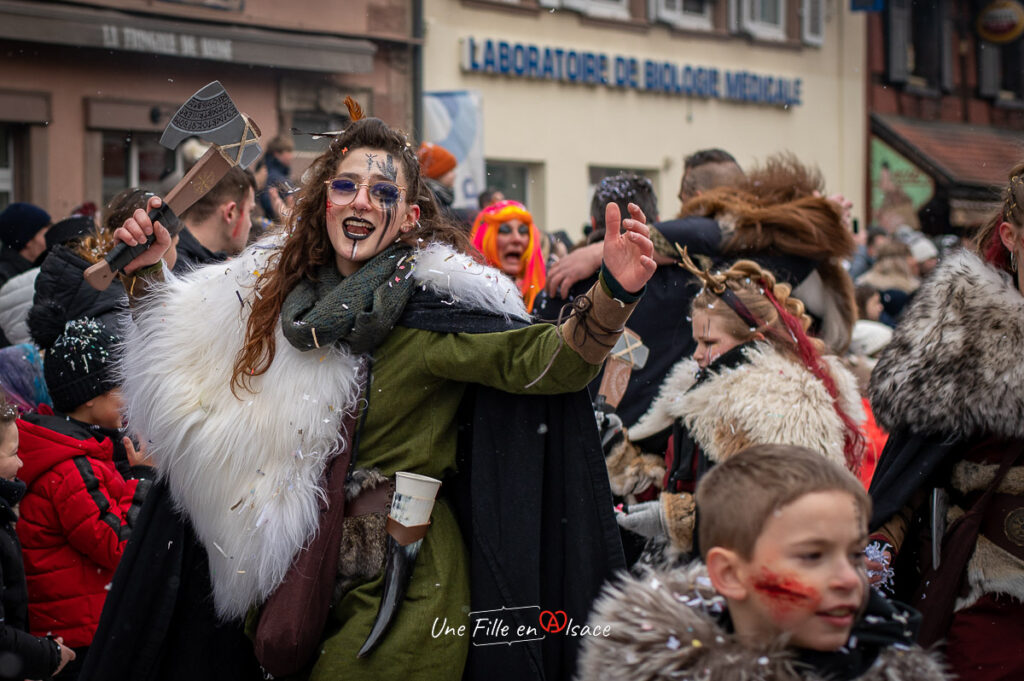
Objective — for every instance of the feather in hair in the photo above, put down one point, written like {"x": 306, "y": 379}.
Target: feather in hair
{"x": 355, "y": 112}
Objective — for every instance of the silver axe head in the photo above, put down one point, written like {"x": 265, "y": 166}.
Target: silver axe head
{"x": 211, "y": 115}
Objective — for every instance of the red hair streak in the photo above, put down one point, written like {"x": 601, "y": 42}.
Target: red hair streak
{"x": 853, "y": 440}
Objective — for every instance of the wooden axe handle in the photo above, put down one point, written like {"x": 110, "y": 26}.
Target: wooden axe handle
{"x": 203, "y": 176}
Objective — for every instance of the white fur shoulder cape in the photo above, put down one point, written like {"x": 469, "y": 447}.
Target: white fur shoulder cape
{"x": 769, "y": 399}
{"x": 246, "y": 470}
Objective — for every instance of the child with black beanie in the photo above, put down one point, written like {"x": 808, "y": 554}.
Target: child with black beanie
{"x": 77, "y": 513}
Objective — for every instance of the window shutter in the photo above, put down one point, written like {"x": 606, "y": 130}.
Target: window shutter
{"x": 989, "y": 69}
{"x": 897, "y": 40}
{"x": 947, "y": 46}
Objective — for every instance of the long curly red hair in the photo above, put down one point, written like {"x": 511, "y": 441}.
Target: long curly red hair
{"x": 307, "y": 245}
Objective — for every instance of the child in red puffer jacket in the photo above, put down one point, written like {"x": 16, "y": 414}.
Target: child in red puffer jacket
{"x": 77, "y": 514}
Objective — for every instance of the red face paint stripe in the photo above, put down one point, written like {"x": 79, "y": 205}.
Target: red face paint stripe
{"x": 784, "y": 589}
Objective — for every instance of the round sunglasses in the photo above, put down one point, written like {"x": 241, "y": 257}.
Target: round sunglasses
{"x": 342, "y": 192}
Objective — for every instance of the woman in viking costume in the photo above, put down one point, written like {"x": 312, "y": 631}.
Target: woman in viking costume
{"x": 948, "y": 492}
{"x": 756, "y": 377}
{"x": 369, "y": 334}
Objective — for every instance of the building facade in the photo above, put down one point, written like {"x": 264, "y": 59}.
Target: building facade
{"x": 946, "y": 102}
{"x": 86, "y": 88}
{"x": 571, "y": 90}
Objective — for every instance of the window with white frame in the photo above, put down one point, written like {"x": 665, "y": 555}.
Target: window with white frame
{"x": 686, "y": 14}
{"x": 600, "y": 9}
{"x": 135, "y": 159}
{"x": 813, "y": 20}
{"x": 763, "y": 19}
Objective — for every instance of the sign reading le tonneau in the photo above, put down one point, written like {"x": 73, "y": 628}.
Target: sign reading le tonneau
{"x": 527, "y": 61}
{"x": 165, "y": 42}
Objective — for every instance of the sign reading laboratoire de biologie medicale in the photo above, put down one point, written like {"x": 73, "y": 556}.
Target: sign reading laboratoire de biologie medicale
{"x": 583, "y": 67}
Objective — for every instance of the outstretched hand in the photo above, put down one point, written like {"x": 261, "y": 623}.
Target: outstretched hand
{"x": 628, "y": 251}
{"x": 134, "y": 232}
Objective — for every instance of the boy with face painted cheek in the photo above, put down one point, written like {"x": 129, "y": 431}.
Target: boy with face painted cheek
{"x": 782, "y": 593}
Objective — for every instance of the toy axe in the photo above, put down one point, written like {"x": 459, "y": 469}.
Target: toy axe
{"x": 628, "y": 353}
{"x": 211, "y": 115}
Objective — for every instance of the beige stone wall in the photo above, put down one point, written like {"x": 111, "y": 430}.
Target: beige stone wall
{"x": 568, "y": 127}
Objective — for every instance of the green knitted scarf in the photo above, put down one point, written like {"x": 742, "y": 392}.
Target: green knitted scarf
{"x": 359, "y": 310}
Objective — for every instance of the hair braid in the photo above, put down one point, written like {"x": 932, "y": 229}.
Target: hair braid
{"x": 783, "y": 323}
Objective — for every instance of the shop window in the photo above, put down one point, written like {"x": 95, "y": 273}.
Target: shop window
{"x": 813, "y": 21}
{"x": 919, "y": 44}
{"x": 511, "y": 179}
{"x": 763, "y": 19}
{"x": 6, "y": 166}
{"x": 1001, "y": 70}
{"x": 600, "y": 9}
{"x": 685, "y": 14}
{"x": 135, "y": 159}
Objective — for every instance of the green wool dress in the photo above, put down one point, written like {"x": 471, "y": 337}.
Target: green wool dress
{"x": 417, "y": 382}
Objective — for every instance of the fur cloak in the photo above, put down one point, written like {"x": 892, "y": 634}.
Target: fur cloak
{"x": 665, "y": 625}
{"x": 767, "y": 399}
{"x": 246, "y": 470}
{"x": 782, "y": 209}
{"x": 952, "y": 376}
{"x": 770, "y": 398}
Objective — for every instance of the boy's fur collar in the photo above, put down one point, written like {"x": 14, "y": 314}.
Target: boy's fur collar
{"x": 663, "y": 626}
{"x": 954, "y": 364}
{"x": 246, "y": 471}
{"x": 768, "y": 399}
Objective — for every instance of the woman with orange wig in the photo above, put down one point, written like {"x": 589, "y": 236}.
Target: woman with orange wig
{"x": 504, "y": 232}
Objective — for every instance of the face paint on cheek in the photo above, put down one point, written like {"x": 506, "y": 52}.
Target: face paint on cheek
{"x": 389, "y": 217}
{"x": 785, "y": 594}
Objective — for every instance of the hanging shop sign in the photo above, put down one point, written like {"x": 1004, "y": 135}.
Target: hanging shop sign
{"x": 536, "y": 62}
{"x": 1001, "y": 21}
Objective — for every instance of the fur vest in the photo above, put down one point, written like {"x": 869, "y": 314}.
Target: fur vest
{"x": 954, "y": 368}
{"x": 246, "y": 470}
{"x": 770, "y": 399}
{"x": 954, "y": 364}
{"x": 663, "y": 625}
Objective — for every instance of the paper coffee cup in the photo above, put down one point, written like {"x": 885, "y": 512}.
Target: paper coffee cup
{"x": 414, "y": 498}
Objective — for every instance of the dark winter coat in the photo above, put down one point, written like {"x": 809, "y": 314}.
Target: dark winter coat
{"x": 62, "y": 294}
{"x": 672, "y": 625}
{"x": 75, "y": 520}
{"x": 31, "y": 656}
{"x": 278, "y": 175}
{"x": 11, "y": 264}
{"x": 192, "y": 254}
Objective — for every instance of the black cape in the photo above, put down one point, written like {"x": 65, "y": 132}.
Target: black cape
{"x": 535, "y": 509}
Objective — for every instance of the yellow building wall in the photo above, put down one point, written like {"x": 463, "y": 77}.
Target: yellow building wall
{"x": 568, "y": 127}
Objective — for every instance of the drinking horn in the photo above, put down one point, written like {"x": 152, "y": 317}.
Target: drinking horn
{"x": 403, "y": 545}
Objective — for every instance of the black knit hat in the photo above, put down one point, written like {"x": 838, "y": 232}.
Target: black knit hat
{"x": 80, "y": 365}
{"x": 19, "y": 223}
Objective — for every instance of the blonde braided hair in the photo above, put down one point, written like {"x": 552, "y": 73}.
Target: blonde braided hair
{"x": 748, "y": 281}
{"x": 783, "y": 323}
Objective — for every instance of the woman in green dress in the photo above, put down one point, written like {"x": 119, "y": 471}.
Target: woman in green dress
{"x": 241, "y": 375}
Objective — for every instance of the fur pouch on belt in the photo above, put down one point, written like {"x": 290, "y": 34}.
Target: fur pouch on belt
{"x": 362, "y": 548}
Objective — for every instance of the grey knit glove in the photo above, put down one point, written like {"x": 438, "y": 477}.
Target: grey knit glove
{"x": 646, "y": 519}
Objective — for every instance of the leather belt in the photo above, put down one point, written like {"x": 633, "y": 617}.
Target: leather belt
{"x": 374, "y": 500}
{"x": 1003, "y": 524}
